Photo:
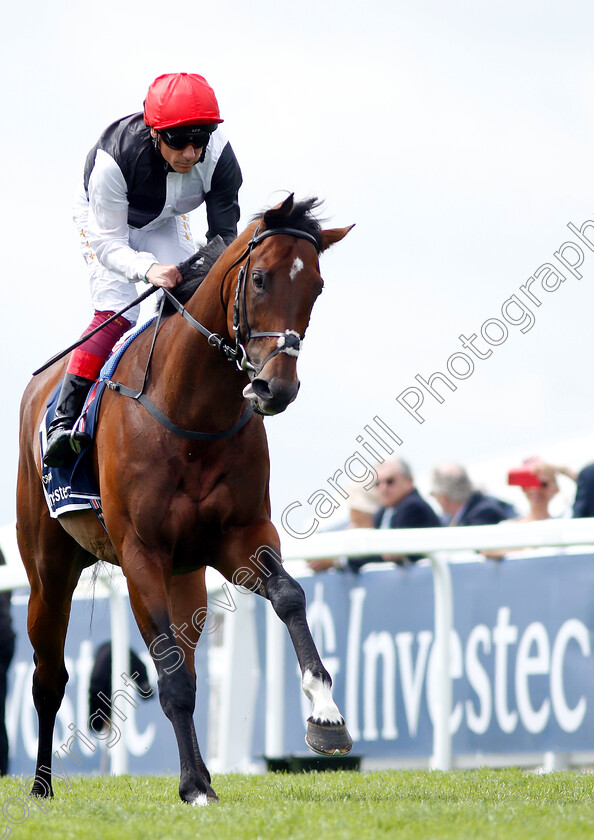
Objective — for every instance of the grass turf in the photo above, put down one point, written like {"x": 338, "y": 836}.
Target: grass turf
{"x": 482, "y": 804}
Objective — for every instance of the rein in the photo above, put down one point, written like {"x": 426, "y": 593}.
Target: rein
{"x": 288, "y": 342}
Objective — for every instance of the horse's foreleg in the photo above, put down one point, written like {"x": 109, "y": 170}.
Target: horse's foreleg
{"x": 326, "y": 730}
{"x": 188, "y": 601}
{"x": 177, "y": 693}
{"x": 176, "y": 681}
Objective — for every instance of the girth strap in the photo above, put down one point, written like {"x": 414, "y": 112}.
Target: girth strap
{"x": 172, "y": 427}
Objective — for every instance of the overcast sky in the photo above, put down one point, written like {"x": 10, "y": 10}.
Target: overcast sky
{"x": 458, "y": 137}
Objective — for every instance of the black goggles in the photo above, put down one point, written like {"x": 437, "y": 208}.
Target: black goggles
{"x": 184, "y": 135}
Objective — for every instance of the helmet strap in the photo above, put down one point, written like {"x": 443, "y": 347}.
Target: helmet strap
{"x": 204, "y": 148}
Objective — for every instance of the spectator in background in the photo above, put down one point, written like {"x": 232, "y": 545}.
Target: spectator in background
{"x": 539, "y": 498}
{"x": 539, "y": 495}
{"x": 583, "y": 505}
{"x": 363, "y": 505}
{"x": 402, "y": 507}
{"x": 461, "y": 503}
{"x": 7, "y": 639}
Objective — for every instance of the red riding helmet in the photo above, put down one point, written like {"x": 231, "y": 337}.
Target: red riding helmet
{"x": 180, "y": 99}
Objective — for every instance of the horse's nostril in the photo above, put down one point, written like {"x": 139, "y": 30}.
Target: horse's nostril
{"x": 262, "y": 389}
{"x": 275, "y": 394}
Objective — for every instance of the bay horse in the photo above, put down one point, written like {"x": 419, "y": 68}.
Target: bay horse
{"x": 183, "y": 473}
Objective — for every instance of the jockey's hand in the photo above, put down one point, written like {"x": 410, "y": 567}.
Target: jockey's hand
{"x": 166, "y": 276}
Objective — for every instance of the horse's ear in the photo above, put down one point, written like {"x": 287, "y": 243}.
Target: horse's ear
{"x": 330, "y": 237}
{"x": 280, "y": 211}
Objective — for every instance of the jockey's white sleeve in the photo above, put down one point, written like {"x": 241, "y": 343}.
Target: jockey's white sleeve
{"x": 108, "y": 222}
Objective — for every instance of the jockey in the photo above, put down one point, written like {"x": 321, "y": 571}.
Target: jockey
{"x": 144, "y": 175}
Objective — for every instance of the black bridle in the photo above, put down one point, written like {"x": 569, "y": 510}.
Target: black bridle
{"x": 289, "y": 341}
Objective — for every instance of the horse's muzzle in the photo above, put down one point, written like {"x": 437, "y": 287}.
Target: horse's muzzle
{"x": 271, "y": 396}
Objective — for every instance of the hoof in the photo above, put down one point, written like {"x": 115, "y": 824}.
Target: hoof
{"x": 42, "y": 790}
{"x": 199, "y": 798}
{"x": 332, "y": 739}
{"x": 211, "y": 797}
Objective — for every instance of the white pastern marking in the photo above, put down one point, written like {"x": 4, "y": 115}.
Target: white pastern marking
{"x": 200, "y": 800}
{"x": 324, "y": 708}
{"x": 296, "y": 268}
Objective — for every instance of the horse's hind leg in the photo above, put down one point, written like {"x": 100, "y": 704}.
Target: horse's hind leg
{"x": 53, "y": 577}
{"x": 53, "y": 562}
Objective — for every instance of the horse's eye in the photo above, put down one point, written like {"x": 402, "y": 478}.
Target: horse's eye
{"x": 258, "y": 279}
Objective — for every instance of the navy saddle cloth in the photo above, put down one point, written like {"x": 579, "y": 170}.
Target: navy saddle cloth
{"x": 73, "y": 487}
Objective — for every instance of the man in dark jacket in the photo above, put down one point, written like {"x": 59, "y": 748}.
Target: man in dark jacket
{"x": 402, "y": 507}
{"x": 461, "y": 503}
{"x": 583, "y": 505}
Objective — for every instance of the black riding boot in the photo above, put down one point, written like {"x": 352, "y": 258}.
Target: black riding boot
{"x": 62, "y": 443}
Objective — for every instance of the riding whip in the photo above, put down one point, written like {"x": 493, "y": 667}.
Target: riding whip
{"x": 88, "y": 335}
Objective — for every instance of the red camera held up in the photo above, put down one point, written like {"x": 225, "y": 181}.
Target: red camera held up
{"x": 524, "y": 477}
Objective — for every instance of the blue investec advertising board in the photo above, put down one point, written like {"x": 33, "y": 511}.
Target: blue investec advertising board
{"x": 521, "y": 657}
{"x": 149, "y": 735}
{"x": 521, "y": 661}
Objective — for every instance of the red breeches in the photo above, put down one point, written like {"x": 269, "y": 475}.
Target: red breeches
{"x": 88, "y": 359}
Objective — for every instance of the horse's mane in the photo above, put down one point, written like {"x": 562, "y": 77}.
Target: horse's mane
{"x": 194, "y": 270}
{"x": 300, "y": 217}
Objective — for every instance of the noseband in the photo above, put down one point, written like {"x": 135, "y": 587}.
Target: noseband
{"x": 288, "y": 341}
